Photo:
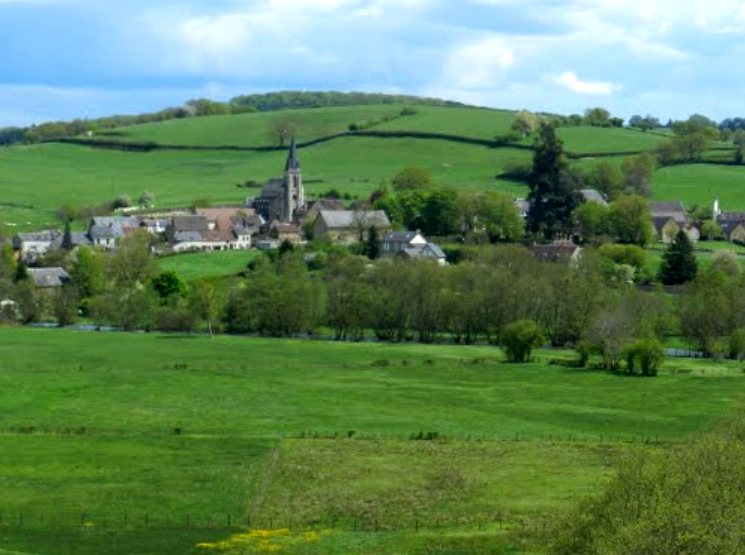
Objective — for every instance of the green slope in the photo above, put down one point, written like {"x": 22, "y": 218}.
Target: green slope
{"x": 252, "y": 130}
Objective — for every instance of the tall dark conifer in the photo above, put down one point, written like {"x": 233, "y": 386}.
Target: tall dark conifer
{"x": 67, "y": 238}
{"x": 679, "y": 261}
{"x": 552, "y": 195}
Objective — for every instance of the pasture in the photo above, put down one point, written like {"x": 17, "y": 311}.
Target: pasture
{"x": 699, "y": 184}
{"x": 116, "y": 441}
{"x": 196, "y": 265}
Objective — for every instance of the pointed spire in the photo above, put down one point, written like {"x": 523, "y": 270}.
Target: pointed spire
{"x": 292, "y": 160}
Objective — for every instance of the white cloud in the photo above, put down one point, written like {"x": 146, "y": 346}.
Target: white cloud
{"x": 570, "y": 81}
{"x": 479, "y": 64}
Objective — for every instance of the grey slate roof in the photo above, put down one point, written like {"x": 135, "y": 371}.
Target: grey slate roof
{"x": 49, "y": 277}
{"x": 105, "y": 232}
{"x": 189, "y": 223}
{"x": 400, "y": 236}
{"x": 591, "y": 195}
{"x": 732, "y": 217}
{"x": 37, "y": 237}
{"x": 79, "y": 238}
{"x": 675, "y": 210}
{"x": 345, "y": 219}
{"x": 188, "y": 237}
{"x": 553, "y": 253}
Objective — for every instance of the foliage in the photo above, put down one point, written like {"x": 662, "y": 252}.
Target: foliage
{"x": 638, "y": 172}
{"x": 679, "y": 261}
{"x": 412, "y": 178}
{"x": 551, "y": 196}
{"x": 630, "y": 218}
{"x": 169, "y": 286}
{"x": 687, "y": 499}
{"x": 592, "y": 220}
{"x": 520, "y": 338}
{"x": 645, "y": 356}
{"x": 373, "y": 243}
{"x": 737, "y": 344}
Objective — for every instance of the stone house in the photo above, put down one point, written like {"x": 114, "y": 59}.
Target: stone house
{"x": 349, "y": 226}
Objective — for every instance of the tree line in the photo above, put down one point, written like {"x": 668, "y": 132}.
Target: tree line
{"x": 291, "y": 293}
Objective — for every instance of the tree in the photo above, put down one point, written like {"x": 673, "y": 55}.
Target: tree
{"x": 552, "y": 199}
{"x": 499, "y": 216}
{"x": 710, "y": 230}
{"x": 87, "y": 273}
{"x": 284, "y": 129}
{"x": 147, "y": 199}
{"x": 637, "y": 173}
{"x": 646, "y": 355}
{"x": 739, "y": 156}
{"x": 203, "y": 302}
{"x": 525, "y": 124}
{"x": 520, "y": 338}
{"x": 67, "y": 243}
{"x": 630, "y": 219}
{"x": 597, "y": 117}
{"x": 412, "y": 178}
{"x": 606, "y": 178}
{"x": 132, "y": 262}
{"x": 373, "y": 244}
{"x": 440, "y": 212}
{"x": 739, "y": 138}
{"x": 65, "y": 306}
{"x": 169, "y": 286}
{"x": 679, "y": 261}
{"x": 592, "y": 220}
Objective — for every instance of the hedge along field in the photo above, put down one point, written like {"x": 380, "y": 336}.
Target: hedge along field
{"x": 466, "y": 122}
{"x": 253, "y": 130}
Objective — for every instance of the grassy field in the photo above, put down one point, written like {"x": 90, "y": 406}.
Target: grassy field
{"x": 598, "y": 140}
{"x": 138, "y": 433}
{"x": 699, "y": 184}
{"x": 191, "y": 266}
{"x": 255, "y": 129}
{"x": 46, "y": 176}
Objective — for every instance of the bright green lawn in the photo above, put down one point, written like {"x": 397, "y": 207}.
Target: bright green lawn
{"x": 191, "y": 266}
{"x": 699, "y": 184}
{"x": 252, "y": 129}
{"x": 598, "y": 140}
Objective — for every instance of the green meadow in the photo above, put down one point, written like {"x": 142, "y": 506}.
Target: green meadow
{"x": 196, "y": 265}
{"x": 253, "y": 130}
{"x": 149, "y": 444}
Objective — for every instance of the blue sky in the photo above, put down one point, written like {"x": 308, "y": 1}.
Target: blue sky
{"x": 68, "y": 58}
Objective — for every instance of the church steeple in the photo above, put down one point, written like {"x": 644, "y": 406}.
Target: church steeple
{"x": 293, "y": 163}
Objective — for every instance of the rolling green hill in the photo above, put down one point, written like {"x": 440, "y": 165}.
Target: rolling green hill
{"x": 35, "y": 180}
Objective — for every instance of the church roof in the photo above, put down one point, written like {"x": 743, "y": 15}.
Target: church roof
{"x": 293, "y": 163}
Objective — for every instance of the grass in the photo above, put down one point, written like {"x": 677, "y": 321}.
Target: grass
{"x": 169, "y": 425}
{"x": 254, "y": 130}
{"x": 699, "y": 184}
{"x": 598, "y": 140}
{"x": 44, "y": 177}
{"x": 191, "y": 266}
{"x": 466, "y": 122}
{"x": 706, "y": 253}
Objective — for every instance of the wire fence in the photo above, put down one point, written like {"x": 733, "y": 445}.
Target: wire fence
{"x": 229, "y": 523}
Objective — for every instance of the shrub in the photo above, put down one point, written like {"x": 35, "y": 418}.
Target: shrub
{"x": 647, "y": 355}
{"x": 520, "y": 338}
{"x": 737, "y": 344}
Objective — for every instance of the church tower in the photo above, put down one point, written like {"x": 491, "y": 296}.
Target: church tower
{"x": 294, "y": 194}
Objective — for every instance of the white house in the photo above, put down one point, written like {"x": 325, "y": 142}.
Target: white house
{"x": 398, "y": 241}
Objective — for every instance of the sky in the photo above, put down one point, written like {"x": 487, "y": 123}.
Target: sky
{"x": 63, "y": 59}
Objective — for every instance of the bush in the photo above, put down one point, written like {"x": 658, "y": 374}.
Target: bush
{"x": 646, "y": 355}
{"x": 520, "y": 338}
{"x": 737, "y": 344}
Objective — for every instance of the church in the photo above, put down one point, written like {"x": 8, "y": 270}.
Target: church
{"x": 283, "y": 199}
